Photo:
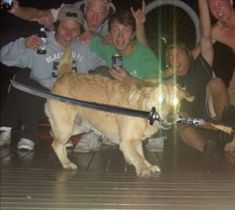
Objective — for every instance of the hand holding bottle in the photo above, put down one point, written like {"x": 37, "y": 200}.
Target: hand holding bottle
{"x": 36, "y": 43}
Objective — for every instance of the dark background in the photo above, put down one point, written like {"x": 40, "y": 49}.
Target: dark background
{"x": 13, "y": 28}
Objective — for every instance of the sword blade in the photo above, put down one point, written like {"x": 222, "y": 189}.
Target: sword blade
{"x": 86, "y": 104}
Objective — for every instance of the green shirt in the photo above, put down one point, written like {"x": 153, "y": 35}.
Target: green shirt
{"x": 141, "y": 63}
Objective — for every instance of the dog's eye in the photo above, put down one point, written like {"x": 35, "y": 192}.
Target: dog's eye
{"x": 175, "y": 101}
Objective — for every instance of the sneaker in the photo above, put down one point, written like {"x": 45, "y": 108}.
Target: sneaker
{"x": 89, "y": 142}
{"x": 25, "y": 144}
{"x": 5, "y": 136}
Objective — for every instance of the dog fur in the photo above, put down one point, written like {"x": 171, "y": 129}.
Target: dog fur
{"x": 129, "y": 132}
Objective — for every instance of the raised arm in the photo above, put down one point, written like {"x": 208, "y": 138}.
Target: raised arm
{"x": 26, "y": 13}
{"x": 205, "y": 46}
{"x": 140, "y": 19}
{"x": 43, "y": 17}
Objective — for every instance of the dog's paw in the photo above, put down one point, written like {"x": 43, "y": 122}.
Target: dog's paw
{"x": 146, "y": 171}
{"x": 155, "y": 168}
{"x": 70, "y": 165}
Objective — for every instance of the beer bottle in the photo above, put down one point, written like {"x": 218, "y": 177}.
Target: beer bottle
{"x": 42, "y": 34}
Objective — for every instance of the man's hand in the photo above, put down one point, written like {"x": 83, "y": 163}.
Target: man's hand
{"x": 86, "y": 37}
{"x": 122, "y": 75}
{"x": 139, "y": 14}
{"x": 45, "y": 18}
{"x": 33, "y": 42}
{"x": 107, "y": 39}
{"x": 140, "y": 19}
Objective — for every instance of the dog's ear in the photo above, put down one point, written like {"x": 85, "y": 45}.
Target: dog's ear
{"x": 65, "y": 62}
{"x": 184, "y": 94}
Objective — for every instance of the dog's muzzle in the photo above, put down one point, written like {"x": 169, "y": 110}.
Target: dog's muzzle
{"x": 171, "y": 119}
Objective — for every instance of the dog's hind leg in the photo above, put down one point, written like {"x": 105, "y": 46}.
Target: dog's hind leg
{"x": 62, "y": 127}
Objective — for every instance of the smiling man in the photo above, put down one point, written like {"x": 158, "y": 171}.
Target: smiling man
{"x": 138, "y": 60}
{"x": 22, "y": 53}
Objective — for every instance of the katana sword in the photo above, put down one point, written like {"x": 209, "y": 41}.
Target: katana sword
{"x": 152, "y": 115}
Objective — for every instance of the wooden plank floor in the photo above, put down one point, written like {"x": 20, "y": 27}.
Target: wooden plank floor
{"x": 35, "y": 180}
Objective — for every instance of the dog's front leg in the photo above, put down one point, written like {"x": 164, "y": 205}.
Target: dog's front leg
{"x": 133, "y": 157}
{"x": 153, "y": 168}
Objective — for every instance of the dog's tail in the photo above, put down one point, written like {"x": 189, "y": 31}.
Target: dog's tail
{"x": 65, "y": 62}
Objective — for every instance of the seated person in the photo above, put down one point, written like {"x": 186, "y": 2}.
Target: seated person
{"x": 224, "y": 31}
{"x": 194, "y": 72}
{"x": 23, "y": 53}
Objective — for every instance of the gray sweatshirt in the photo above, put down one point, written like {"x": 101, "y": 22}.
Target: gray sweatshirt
{"x": 44, "y": 67}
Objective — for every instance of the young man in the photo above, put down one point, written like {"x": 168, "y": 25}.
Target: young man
{"x": 23, "y": 53}
{"x": 194, "y": 72}
{"x": 224, "y": 31}
{"x": 138, "y": 60}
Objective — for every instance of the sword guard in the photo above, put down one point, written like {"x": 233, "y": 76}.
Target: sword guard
{"x": 153, "y": 115}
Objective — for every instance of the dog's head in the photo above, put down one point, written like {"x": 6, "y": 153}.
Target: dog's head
{"x": 164, "y": 96}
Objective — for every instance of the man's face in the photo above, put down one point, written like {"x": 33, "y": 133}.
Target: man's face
{"x": 68, "y": 32}
{"x": 121, "y": 35}
{"x": 178, "y": 59}
{"x": 95, "y": 15}
{"x": 220, "y": 9}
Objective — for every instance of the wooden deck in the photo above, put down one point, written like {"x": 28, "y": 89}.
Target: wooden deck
{"x": 35, "y": 180}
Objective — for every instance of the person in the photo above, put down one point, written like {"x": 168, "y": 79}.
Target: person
{"x": 122, "y": 27}
{"x": 43, "y": 71}
{"x": 224, "y": 31}
{"x": 96, "y": 14}
{"x": 194, "y": 72}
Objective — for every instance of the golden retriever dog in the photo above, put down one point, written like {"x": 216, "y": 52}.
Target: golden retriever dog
{"x": 127, "y": 131}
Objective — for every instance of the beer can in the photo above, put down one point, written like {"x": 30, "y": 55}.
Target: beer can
{"x": 117, "y": 60}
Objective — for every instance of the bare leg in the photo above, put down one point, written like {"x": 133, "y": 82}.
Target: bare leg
{"x": 231, "y": 89}
{"x": 217, "y": 97}
{"x": 191, "y": 137}
{"x": 230, "y": 147}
